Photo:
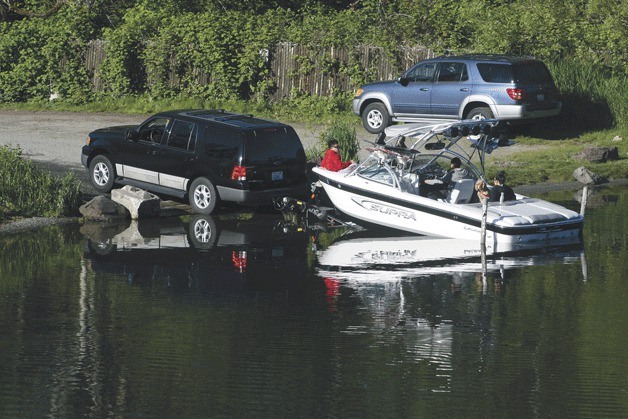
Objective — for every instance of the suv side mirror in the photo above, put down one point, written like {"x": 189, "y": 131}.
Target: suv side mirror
{"x": 403, "y": 81}
{"x": 132, "y": 135}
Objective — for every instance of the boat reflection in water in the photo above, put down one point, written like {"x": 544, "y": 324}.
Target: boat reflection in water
{"x": 412, "y": 290}
{"x": 368, "y": 256}
{"x": 209, "y": 254}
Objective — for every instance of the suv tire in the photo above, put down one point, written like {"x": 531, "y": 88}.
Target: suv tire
{"x": 203, "y": 196}
{"x": 480, "y": 113}
{"x": 102, "y": 174}
{"x": 375, "y": 118}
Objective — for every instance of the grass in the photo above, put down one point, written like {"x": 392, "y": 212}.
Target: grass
{"x": 540, "y": 160}
{"x": 26, "y": 190}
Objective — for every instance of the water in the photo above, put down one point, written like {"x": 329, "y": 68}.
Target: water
{"x": 249, "y": 322}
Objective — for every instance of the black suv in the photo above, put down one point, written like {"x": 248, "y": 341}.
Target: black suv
{"x": 205, "y": 155}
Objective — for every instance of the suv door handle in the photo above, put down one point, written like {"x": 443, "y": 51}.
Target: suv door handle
{"x": 424, "y": 89}
{"x": 464, "y": 89}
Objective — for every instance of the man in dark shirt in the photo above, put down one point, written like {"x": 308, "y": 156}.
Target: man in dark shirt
{"x": 500, "y": 188}
{"x": 448, "y": 180}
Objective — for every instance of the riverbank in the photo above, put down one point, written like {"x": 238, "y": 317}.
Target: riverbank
{"x": 29, "y": 224}
{"x": 54, "y": 140}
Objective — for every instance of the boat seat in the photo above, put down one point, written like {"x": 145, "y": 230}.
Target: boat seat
{"x": 410, "y": 183}
{"x": 462, "y": 192}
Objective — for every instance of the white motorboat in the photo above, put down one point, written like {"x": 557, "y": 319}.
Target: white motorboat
{"x": 387, "y": 189}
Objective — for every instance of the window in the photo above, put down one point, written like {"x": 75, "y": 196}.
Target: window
{"x": 455, "y": 72}
{"x": 153, "y": 130}
{"x": 377, "y": 173}
{"x": 496, "y": 73}
{"x": 422, "y": 72}
{"x": 534, "y": 72}
{"x": 182, "y": 135}
{"x": 222, "y": 143}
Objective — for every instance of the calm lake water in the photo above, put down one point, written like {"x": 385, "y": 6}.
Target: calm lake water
{"x": 244, "y": 315}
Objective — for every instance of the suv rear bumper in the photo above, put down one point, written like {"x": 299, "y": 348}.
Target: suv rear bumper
{"x": 263, "y": 197}
{"x": 522, "y": 112}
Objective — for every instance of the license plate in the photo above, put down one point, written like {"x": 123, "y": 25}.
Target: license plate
{"x": 540, "y": 97}
{"x": 277, "y": 175}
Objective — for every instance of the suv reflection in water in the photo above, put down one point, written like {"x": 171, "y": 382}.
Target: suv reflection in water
{"x": 206, "y": 253}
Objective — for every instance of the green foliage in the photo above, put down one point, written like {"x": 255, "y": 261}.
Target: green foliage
{"x": 26, "y": 190}
{"x": 43, "y": 56}
{"x": 592, "y": 97}
{"x": 217, "y": 51}
{"x": 345, "y": 134}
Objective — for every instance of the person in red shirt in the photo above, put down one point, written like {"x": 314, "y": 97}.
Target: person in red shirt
{"x": 331, "y": 160}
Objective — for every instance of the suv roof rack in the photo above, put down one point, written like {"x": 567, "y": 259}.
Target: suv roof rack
{"x": 216, "y": 114}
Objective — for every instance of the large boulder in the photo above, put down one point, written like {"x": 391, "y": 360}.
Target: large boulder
{"x": 598, "y": 154}
{"x": 102, "y": 208}
{"x": 141, "y": 204}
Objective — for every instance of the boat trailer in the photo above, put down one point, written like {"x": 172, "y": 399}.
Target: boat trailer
{"x": 315, "y": 217}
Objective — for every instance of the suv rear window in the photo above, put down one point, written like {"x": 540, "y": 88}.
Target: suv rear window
{"x": 531, "y": 72}
{"x": 534, "y": 72}
{"x": 272, "y": 142}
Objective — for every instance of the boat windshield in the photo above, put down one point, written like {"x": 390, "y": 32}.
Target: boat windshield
{"x": 378, "y": 173}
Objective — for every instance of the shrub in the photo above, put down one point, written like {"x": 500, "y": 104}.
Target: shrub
{"x": 345, "y": 134}
{"x": 26, "y": 190}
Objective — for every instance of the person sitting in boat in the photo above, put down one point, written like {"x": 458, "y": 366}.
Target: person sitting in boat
{"x": 332, "y": 161}
{"x": 500, "y": 188}
{"x": 447, "y": 181}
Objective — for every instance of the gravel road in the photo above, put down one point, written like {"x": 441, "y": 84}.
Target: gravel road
{"x": 54, "y": 139}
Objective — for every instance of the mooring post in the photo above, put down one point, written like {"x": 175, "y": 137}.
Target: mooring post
{"x": 483, "y": 226}
{"x": 483, "y": 242}
{"x": 585, "y": 195}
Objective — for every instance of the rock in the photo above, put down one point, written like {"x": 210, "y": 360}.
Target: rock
{"x": 141, "y": 204}
{"x": 103, "y": 232}
{"x": 102, "y": 208}
{"x": 598, "y": 154}
{"x": 585, "y": 176}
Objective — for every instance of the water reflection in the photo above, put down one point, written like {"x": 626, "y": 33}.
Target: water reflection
{"x": 368, "y": 256}
{"x": 243, "y": 315}
{"x": 415, "y": 292}
{"x": 200, "y": 252}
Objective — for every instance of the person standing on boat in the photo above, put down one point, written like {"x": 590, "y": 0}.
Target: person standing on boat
{"x": 447, "y": 181}
{"x": 332, "y": 161}
{"x": 500, "y": 188}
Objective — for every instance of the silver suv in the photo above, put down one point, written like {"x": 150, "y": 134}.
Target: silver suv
{"x": 460, "y": 87}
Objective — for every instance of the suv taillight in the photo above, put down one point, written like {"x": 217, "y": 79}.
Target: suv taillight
{"x": 516, "y": 94}
{"x": 238, "y": 173}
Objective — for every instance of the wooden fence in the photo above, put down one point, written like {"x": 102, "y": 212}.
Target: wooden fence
{"x": 297, "y": 68}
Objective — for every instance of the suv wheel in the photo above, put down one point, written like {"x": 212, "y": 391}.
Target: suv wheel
{"x": 203, "y": 196}
{"x": 101, "y": 174}
{"x": 479, "y": 114}
{"x": 375, "y": 118}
